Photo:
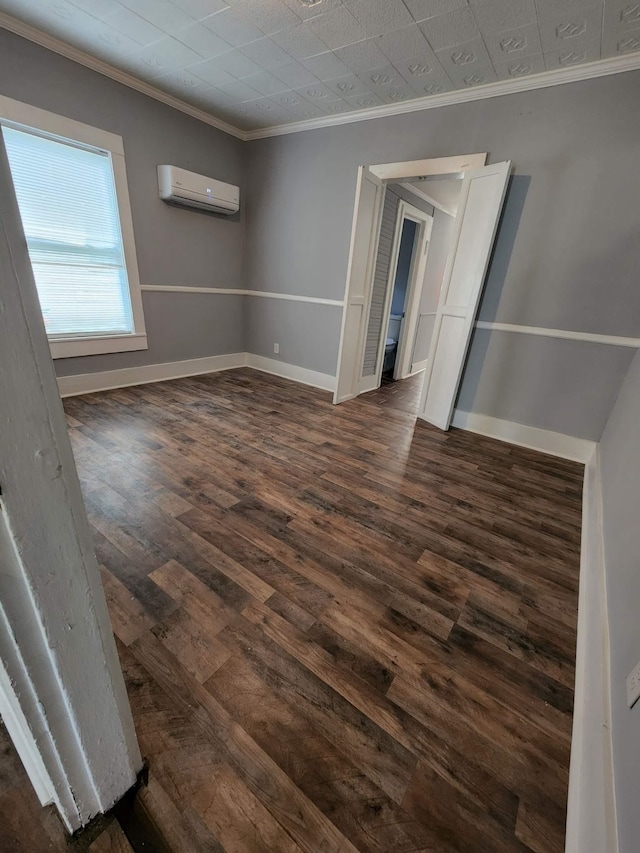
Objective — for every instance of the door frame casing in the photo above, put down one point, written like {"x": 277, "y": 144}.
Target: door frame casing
{"x": 406, "y": 341}
{"x": 386, "y": 173}
{"x": 364, "y": 301}
{"x": 425, "y": 223}
{"x": 61, "y": 686}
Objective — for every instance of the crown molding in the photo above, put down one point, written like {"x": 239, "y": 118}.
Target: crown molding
{"x": 8, "y": 22}
{"x": 587, "y": 71}
{"x": 601, "y": 68}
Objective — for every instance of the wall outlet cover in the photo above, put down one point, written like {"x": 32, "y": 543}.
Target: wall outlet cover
{"x": 276, "y": 348}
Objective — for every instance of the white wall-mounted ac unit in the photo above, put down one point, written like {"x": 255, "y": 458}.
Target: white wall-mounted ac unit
{"x": 178, "y": 186}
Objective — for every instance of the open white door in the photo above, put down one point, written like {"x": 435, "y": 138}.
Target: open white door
{"x": 481, "y": 200}
{"x": 365, "y": 232}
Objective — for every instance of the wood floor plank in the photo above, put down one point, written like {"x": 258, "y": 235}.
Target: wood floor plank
{"x": 340, "y": 629}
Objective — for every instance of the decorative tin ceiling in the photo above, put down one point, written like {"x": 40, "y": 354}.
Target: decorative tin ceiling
{"x": 262, "y": 63}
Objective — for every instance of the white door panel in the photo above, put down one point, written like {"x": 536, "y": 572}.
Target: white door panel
{"x": 364, "y": 246}
{"x": 481, "y": 200}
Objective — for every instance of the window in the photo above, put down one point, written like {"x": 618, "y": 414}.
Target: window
{"x": 72, "y": 214}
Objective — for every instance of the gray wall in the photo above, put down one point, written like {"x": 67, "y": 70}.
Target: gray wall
{"x": 565, "y": 253}
{"x": 620, "y": 471}
{"x": 174, "y": 247}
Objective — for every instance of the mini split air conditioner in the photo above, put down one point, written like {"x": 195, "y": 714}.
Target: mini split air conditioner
{"x": 178, "y": 186}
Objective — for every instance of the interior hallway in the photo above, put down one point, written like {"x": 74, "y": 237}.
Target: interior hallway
{"x": 339, "y": 631}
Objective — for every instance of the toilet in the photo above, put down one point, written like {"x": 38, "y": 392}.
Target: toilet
{"x": 391, "y": 343}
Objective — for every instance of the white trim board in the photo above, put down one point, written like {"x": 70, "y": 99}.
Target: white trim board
{"x": 89, "y": 383}
{"x": 324, "y": 381}
{"x": 543, "y": 440}
{"x": 587, "y": 71}
{"x": 564, "y": 334}
{"x": 105, "y": 380}
{"x": 591, "y": 811}
{"x": 230, "y": 291}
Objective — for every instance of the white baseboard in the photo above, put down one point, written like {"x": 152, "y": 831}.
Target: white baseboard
{"x": 591, "y": 812}
{"x": 87, "y": 383}
{"x": 554, "y": 443}
{"x": 418, "y": 366}
{"x": 291, "y": 371}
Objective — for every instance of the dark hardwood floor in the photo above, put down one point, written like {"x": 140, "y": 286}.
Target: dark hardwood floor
{"x": 340, "y": 630}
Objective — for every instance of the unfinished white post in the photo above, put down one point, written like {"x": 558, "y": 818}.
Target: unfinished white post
{"x": 62, "y": 695}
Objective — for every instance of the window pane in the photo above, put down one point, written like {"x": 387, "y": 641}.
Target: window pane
{"x": 69, "y": 211}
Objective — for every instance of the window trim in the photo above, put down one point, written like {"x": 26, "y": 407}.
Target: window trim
{"x": 19, "y": 113}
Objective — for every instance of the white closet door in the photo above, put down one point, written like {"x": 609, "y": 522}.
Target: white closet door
{"x": 481, "y": 199}
{"x": 364, "y": 246}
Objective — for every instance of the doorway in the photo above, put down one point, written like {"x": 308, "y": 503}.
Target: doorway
{"x": 405, "y": 279}
{"x": 479, "y": 205}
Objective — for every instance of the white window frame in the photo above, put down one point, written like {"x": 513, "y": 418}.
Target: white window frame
{"x": 28, "y": 116}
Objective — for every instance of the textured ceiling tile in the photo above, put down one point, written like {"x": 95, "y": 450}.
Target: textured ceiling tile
{"x": 362, "y": 56}
{"x": 266, "y": 53}
{"x": 317, "y": 94}
{"x": 565, "y": 31}
{"x": 379, "y": 16}
{"x": 306, "y": 12}
{"x": 163, "y": 57}
{"x": 159, "y": 12}
{"x": 512, "y": 44}
{"x": 181, "y": 83}
{"x": 621, "y": 15}
{"x": 348, "y": 86}
{"x": 469, "y": 55}
{"x": 238, "y": 90}
{"x": 266, "y": 83}
{"x": 495, "y": 16}
{"x": 403, "y": 43}
{"x": 97, "y": 8}
{"x": 338, "y": 107}
{"x": 365, "y": 102}
{"x": 198, "y": 9}
{"x": 125, "y": 21}
{"x": 396, "y": 94}
{"x": 425, "y": 78}
{"x": 262, "y": 107}
{"x": 618, "y": 44}
{"x": 294, "y": 75}
{"x": 423, "y": 9}
{"x": 300, "y": 42}
{"x": 237, "y": 64}
{"x": 270, "y": 16}
{"x": 568, "y": 55}
{"x": 203, "y": 41}
{"x": 326, "y": 66}
{"x": 465, "y": 78}
{"x": 453, "y": 28}
{"x": 232, "y": 27}
{"x": 381, "y": 78}
{"x": 557, "y": 7}
{"x": 509, "y": 69}
{"x": 211, "y": 73}
{"x": 337, "y": 28}
{"x": 290, "y": 100}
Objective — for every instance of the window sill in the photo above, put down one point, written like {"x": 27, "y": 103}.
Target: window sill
{"x": 73, "y": 347}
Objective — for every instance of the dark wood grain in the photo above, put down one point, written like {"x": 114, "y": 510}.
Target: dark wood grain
{"x": 340, "y": 629}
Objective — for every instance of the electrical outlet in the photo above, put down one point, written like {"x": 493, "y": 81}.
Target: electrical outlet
{"x": 276, "y": 348}
{"x": 633, "y": 685}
